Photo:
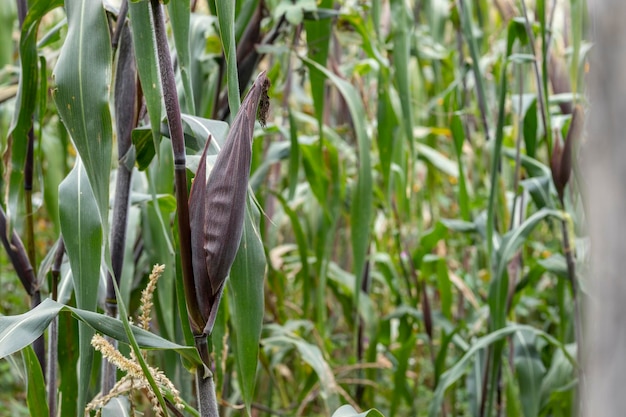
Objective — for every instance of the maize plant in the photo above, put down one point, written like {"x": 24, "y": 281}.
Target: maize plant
{"x": 400, "y": 234}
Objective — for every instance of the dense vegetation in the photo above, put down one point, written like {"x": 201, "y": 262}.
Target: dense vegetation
{"x": 413, "y": 234}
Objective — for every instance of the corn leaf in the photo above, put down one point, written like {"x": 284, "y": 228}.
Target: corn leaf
{"x": 81, "y": 227}
{"x": 83, "y": 76}
{"x": 144, "y": 42}
{"x": 246, "y": 302}
{"x": 17, "y": 332}
{"x": 36, "y": 386}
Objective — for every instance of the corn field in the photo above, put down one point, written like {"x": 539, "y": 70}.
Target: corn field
{"x": 306, "y": 208}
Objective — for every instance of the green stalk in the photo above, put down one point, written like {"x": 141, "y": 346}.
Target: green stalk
{"x": 466, "y": 24}
{"x": 53, "y": 333}
{"x": 540, "y": 80}
{"x": 578, "y": 319}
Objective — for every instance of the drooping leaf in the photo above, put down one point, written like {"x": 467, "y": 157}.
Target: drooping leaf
{"x": 312, "y": 355}
{"x": 17, "y": 332}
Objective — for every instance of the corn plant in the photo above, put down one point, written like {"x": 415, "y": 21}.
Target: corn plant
{"x": 351, "y": 206}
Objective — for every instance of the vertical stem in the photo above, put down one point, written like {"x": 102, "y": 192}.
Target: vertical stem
{"x": 578, "y": 319}
{"x": 365, "y": 287}
{"x": 540, "y": 92}
{"x": 466, "y": 24}
{"x": 53, "y": 333}
{"x": 205, "y": 385}
{"x": 28, "y": 196}
{"x": 172, "y": 109}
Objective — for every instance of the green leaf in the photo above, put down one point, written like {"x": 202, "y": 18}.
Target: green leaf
{"x": 68, "y": 363}
{"x": 294, "y": 155}
{"x": 511, "y": 242}
{"x": 540, "y": 190}
{"x": 180, "y": 12}
{"x": 439, "y": 160}
{"x": 27, "y": 91}
{"x": 226, "y": 18}
{"x": 458, "y": 135}
{"x": 531, "y": 165}
{"x": 83, "y": 77}
{"x": 444, "y": 286}
{"x": 36, "y": 386}
{"x": 318, "y": 34}
{"x": 312, "y": 355}
{"x": 460, "y": 367}
{"x": 401, "y": 55}
{"x": 529, "y": 371}
{"x": 7, "y": 18}
{"x": 17, "y": 332}
{"x": 512, "y": 396}
{"x": 560, "y": 377}
{"x": 530, "y": 130}
{"x": 497, "y": 149}
{"x": 349, "y": 411}
{"x": 80, "y": 224}
{"x": 246, "y": 302}
{"x": 144, "y": 42}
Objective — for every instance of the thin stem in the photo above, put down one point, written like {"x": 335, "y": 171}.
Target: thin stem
{"x": 53, "y": 333}
{"x": 466, "y": 23}
{"x": 172, "y": 109}
{"x": 578, "y": 320}
{"x": 28, "y": 196}
{"x": 540, "y": 93}
{"x": 518, "y": 146}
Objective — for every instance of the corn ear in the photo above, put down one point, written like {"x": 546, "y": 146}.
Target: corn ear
{"x": 217, "y": 206}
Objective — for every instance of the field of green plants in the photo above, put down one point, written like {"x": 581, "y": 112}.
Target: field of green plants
{"x": 292, "y": 207}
